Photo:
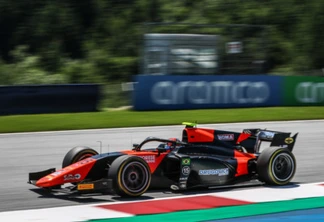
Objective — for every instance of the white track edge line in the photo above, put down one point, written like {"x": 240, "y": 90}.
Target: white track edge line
{"x": 164, "y": 126}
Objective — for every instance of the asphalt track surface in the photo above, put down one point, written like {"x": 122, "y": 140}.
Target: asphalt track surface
{"x": 22, "y": 153}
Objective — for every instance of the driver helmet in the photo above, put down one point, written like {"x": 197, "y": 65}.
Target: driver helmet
{"x": 172, "y": 145}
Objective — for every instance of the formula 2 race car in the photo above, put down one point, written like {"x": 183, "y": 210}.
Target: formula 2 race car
{"x": 203, "y": 158}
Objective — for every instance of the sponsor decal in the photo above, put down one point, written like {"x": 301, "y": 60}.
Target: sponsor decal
{"x": 186, "y": 170}
{"x": 186, "y": 161}
{"x": 289, "y": 140}
{"x": 219, "y": 172}
{"x": 149, "y": 158}
{"x": 183, "y": 184}
{"x": 183, "y": 178}
{"x": 266, "y": 135}
{"x": 215, "y": 92}
{"x": 86, "y": 186}
{"x": 310, "y": 92}
{"x": 72, "y": 177}
{"x": 225, "y": 137}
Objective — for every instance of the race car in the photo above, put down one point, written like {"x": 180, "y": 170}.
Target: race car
{"x": 203, "y": 158}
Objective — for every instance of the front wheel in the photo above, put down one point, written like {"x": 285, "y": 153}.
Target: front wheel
{"x": 276, "y": 166}
{"x": 76, "y": 154}
{"x": 131, "y": 176}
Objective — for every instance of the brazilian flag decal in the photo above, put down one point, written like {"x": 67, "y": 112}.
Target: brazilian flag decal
{"x": 186, "y": 161}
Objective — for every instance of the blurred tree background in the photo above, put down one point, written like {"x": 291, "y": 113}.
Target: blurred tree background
{"x": 98, "y": 41}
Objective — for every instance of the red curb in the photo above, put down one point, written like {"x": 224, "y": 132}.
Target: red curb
{"x": 171, "y": 205}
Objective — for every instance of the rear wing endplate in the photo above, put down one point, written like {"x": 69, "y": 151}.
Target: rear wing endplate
{"x": 281, "y": 139}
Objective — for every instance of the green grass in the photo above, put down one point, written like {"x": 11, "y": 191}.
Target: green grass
{"x": 127, "y": 118}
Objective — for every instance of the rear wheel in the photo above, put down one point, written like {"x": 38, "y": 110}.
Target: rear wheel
{"x": 76, "y": 154}
{"x": 276, "y": 166}
{"x": 131, "y": 176}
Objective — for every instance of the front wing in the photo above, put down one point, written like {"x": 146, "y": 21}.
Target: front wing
{"x": 103, "y": 185}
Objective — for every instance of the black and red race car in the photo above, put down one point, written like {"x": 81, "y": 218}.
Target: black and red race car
{"x": 203, "y": 158}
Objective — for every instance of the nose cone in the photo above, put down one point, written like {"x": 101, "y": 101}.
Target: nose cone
{"x": 70, "y": 174}
{"x": 46, "y": 181}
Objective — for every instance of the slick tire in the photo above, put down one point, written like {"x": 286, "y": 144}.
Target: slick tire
{"x": 76, "y": 154}
{"x": 276, "y": 166}
{"x": 131, "y": 176}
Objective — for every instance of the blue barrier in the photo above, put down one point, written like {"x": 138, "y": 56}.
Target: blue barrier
{"x": 200, "y": 92}
{"x": 49, "y": 98}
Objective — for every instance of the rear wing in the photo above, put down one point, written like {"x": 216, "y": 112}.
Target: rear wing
{"x": 281, "y": 139}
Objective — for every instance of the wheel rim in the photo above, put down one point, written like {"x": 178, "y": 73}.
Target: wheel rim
{"x": 283, "y": 167}
{"x": 135, "y": 177}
